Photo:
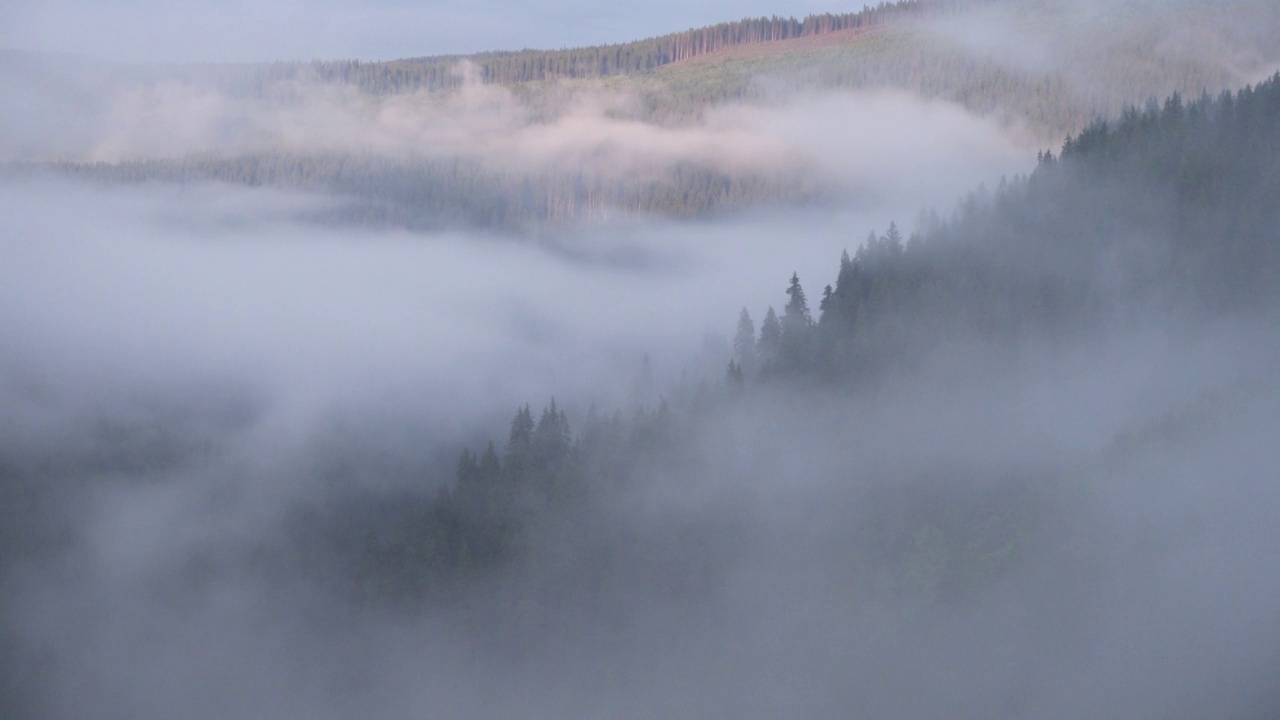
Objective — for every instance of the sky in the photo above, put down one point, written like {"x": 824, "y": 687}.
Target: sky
{"x": 244, "y": 31}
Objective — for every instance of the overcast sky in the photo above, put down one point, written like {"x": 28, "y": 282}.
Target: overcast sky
{"x": 248, "y": 30}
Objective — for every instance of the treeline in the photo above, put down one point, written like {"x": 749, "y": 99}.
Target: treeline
{"x": 433, "y": 193}
{"x": 411, "y": 547}
{"x": 441, "y": 72}
{"x": 548, "y": 494}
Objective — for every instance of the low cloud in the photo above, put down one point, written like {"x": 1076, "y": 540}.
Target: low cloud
{"x": 745, "y": 579}
{"x": 873, "y": 147}
{"x": 1112, "y": 54}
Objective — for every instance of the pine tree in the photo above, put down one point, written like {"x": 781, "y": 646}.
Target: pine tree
{"x": 551, "y": 437}
{"x": 744, "y": 344}
{"x": 797, "y": 325}
{"x": 468, "y": 471}
{"x": 516, "y": 457}
{"x": 490, "y": 467}
{"x": 846, "y": 294}
{"x": 797, "y": 311}
{"x": 733, "y": 376}
{"x": 554, "y": 467}
{"x": 770, "y": 337}
{"x": 892, "y": 241}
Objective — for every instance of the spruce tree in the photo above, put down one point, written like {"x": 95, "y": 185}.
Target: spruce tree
{"x": 733, "y": 376}
{"x": 551, "y": 437}
{"x": 516, "y": 458}
{"x": 744, "y": 344}
{"x": 797, "y": 326}
{"x": 797, "y": 311}
{"x": 770, "y": 337}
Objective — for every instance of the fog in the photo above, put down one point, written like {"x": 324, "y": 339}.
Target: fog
{"x": 170, "y": 284}
{"x": 224, "y": 339}
{"x": 1106, "y": 56}
{"x": 200, "y": 384}
{"x": 926, "y": 152}
{"x": 593, "y": 134}
{"x": 1084, "y": 40}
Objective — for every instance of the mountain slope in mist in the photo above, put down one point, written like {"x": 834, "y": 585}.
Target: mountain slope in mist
{"x": 480, "y": 141}
{"x": 1018, "y": 465}
{"x": 1047, "y": 68}
{"x": 1033, "y": 438}
{"x": 1156, "y": 222}
{"x": 258, "y": 455}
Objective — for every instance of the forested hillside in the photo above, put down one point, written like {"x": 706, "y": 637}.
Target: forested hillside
{"x": 433, "y": 142}
{"x": 1168, "y": 210}
{"x": 427, "y": 194}
{"x": 1058, "y": 66}
{"x": 1166, "y": 216}
{"x": 1017, "y": 461}
{"x": 524, "y": 66}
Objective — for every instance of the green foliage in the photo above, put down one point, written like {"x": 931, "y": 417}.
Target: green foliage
{"x": 744, "y": 345}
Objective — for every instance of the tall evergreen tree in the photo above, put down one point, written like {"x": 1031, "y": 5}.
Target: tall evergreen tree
{"x": 797, "y": 326}
{"x": 770, "y": 337}
{"x": 490, "y": 468}
{"x": 733, "y": 376}
{"x": 796, "y": 312}
{"x": 893, "y": 241}
{"x": 551, "y": 437}
{"x": 497, "y": 498}
{"x": 468, "y": 471}
{"x": 516, "y": 458}
{"x": 554, "y": 471}
{"x": 744, "y": 344}
{"x": 847, "y": 293}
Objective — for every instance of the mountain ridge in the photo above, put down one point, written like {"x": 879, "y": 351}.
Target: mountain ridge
{"x": 437, "y": 72}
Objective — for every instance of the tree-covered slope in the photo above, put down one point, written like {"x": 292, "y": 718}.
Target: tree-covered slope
{"x": 1164, "y": 219}
{"x": 429, "y": 142}
{"x": 1050, "y": 64}
{"x": 1168, "y": 211}
{"x": 640, "y": 56}
{"x": 1049, "y": 67}
{"x": 436, "y": 193}
{"x": 1026, "y": 451}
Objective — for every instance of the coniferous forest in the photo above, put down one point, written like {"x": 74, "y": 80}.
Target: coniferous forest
{"x": 459, "y": 165}
{"x": 1012, "y": 267}
{"x": 401, "y": 411}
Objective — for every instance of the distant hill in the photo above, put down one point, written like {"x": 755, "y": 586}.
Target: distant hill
{"x": 1053, "y": 65}
{"x": 1165, "y": 213}
{"x": 1044, "y": 66}
{"x": 1043, "y": 69}
{"x": 440, "y": 72}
